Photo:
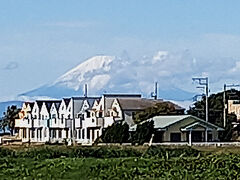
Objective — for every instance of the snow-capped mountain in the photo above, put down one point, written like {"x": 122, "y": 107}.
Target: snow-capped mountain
{"x": 93, "y": 72}
{"x": 111, "y": 74}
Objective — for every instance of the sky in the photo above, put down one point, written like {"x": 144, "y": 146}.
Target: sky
{"x": 41, "y": 40}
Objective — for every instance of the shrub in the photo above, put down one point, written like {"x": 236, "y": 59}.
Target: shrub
{"x": 117, "y": 133}
{"x": 143, "y": 133}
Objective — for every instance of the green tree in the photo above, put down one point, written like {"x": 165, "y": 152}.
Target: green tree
{"x": 8, "y": 120}
{"x": 143, "y": 133}
{"x": 215, "y": 115}
{"x": 116, "y": 133}
{"x": 163, "y": 108}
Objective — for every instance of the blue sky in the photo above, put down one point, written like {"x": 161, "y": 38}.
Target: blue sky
{"x": 41, "y": 40}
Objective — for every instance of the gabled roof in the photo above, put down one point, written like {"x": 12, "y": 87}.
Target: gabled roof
{"x": 50, "y": 102}
{"x": 39, "y": 103}
{"x": 163, "y": 122}
{"x": 66, "y": 101}
{"x": 196, "y": 124}
{"x": 78, "y": 103}
{"x": 141, "y": 104}
{"x": 31, "y": 104}
{"x": 57, "y": 104}
{"x": 136, "y": 104}
{"x": 91, "y": 101}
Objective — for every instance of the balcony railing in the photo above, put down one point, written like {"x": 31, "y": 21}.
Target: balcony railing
{"x": 23, "y": 123}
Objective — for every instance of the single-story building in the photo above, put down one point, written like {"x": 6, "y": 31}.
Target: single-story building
{"x": 182, "y": 128}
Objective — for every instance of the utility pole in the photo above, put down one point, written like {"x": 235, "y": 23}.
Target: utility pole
{"x": 155, "y": 94}
{"x": 203, "y": 82}
{"x": 85, "y": 90}
{"x": 225, "y": 105}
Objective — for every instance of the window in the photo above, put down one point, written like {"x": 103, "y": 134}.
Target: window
{"x": 83, "y": 133}
{"x": 66, "y": 133}
{"x": 175, "y": 137}
{"x": 88, "y": 133}
{"x": 88, "y": 114}
{"x": 42, "y": 117}
{"x": 100, "y": 114}
{"x": 54, "y": 116}
{"x": 40, "y": 133}
{"x": 60, "y": 133}
{"x": 54, "y": 133}
{"x": 24, "y": 133}
{"x": 79, "y": 134}
{"x": 33, "y": 133}
{"x": 55, "y": 121}
{"x": 97, "y": 134}
{"x": 92, "y": 120}
{"x": 62, "y": 120}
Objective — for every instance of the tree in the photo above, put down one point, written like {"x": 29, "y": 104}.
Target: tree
{"x": 9, "y": 117}
{"x": 143, "y": 133}
{"x": 116, "y": 133}
{"x": 215, "y": 102}
{"x": 162, "y": 108}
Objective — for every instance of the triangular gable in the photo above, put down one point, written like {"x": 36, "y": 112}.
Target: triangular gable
{"x": 196, "y": 125}
{"x": 95, "y": 104}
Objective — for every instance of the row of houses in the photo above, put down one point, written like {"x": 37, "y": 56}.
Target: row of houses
{"x": 83, "y": 119}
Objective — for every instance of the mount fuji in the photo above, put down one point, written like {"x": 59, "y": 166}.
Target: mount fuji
{"x": 111, "y": 74}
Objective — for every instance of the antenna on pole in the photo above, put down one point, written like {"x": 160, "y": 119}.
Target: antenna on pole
{"x": 203, "y": 82}
{"x": 85, "y": 90}
{"x": 154, "y": 94}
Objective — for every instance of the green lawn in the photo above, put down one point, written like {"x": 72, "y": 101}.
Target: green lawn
{"x": 155, "y": 163}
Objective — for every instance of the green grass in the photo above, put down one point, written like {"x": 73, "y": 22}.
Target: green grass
{"x": 117, "y": 163}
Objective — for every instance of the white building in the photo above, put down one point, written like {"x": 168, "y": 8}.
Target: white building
{"x": 79, "y": 119}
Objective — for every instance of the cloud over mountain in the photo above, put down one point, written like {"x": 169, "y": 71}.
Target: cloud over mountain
{"x": 114, "y": 74}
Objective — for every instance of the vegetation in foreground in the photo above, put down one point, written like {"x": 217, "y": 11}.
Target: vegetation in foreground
{"x": 117, "y": 163}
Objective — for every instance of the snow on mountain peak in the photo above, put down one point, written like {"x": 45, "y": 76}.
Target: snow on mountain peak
{"x": 95, "y": 66}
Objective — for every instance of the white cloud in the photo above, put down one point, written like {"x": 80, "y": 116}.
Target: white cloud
{"x": 160, "y": 56}
{"x": 236, "y": 68}
{"x": 66, "y": 24}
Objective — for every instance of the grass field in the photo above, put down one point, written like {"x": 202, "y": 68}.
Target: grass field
{"x": 119, "y": 163}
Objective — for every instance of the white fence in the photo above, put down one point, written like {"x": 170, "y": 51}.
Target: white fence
{"x": 203, "y": 144}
